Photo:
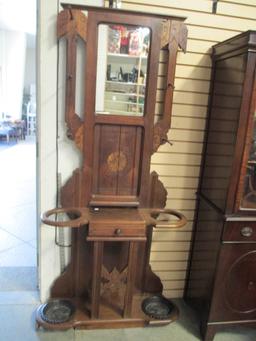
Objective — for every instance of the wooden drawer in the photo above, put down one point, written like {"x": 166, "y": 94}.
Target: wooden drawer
{"x": 116, "y": 232}
{"x": 240, "y": 231}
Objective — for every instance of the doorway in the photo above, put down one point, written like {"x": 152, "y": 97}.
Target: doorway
{"x": 18, "y": 223}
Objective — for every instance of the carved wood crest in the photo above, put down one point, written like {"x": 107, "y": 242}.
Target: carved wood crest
{"x": 113, "y": 283}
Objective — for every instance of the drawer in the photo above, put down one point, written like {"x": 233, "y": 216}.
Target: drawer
{"x": 116, "y": 232}
{"x": 240, "y": 231}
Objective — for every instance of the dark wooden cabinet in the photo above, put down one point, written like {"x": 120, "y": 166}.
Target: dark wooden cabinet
{"x": 221, "y": 281}
{"x": 113, "y": 202}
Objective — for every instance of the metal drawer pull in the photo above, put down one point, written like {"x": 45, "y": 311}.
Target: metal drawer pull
{"x": 118, "y": 232}
{"x": 251, "y": 285}
{"x": 246, "y": 231}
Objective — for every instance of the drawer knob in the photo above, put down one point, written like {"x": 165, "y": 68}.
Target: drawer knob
{"x": 251, "y": 285}
{"x": 246, "y": 231}
{"x": 118, "y": 232}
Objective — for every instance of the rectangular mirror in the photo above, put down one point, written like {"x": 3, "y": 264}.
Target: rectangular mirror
{"x": 122, "y": 69}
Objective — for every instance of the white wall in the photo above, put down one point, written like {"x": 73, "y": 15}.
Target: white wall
{"x": 69, "y": 158}
{"x": 12, "y": 64}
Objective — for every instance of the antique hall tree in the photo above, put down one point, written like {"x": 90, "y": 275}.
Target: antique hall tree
{"x": 112, "y": 203}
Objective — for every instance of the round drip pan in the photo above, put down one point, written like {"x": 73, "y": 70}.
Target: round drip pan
{"x": 57, "y": 311}
{"x": 157, "y": 307}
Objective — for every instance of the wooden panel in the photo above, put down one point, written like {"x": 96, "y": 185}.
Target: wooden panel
{"x": 116, "y": 150}
{"x": 116, "y": 230}
{"x": 240, "y": 231}
{"x": 236, "y": 275}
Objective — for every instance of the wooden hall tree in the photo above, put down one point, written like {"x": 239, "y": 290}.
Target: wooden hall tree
{"x": 112, "y": 201}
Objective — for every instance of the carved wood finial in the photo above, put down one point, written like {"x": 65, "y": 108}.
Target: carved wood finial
{"x": 174, "y": 30}
{"x": 71, "y": 21}
{"x": 179, "y": 33}
{"x": 165, "y": 36}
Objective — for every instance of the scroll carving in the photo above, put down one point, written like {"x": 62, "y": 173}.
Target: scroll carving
{"x": 158, "y": 193}
{"x": 72, "y": 24}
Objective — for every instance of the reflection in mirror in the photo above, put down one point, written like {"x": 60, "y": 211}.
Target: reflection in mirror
{"x": 122, "y": 69}
{"x": 249, "y": 194}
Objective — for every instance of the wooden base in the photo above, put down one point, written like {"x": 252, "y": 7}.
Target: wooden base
{"x": 108, "y": 317}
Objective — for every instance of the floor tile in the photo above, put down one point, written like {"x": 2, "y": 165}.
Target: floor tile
{"x": 7, "y": 241}
{"x": 33, "y": 243}
{"x": 21, "y": 255}
{"x": 18, "y": 323}
{"x": 25, "y": 223}
{"x": 236, "y": 334}
{"x": 18, "y": 278}
{"x": 18, "y": 204}
{"x": 19, "y": 297}
{"x": 100, "y": 335}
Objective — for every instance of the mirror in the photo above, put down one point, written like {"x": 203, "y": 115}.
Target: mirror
{"x": 122, "y": 69}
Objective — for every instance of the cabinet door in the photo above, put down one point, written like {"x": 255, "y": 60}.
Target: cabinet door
{"x": 234, "y": 294}
{"x": 246, "y": 196}
{"x": 248, "y": 179}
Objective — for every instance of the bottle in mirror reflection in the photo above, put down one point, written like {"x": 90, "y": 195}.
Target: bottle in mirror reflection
{"x": 115, "y": 4}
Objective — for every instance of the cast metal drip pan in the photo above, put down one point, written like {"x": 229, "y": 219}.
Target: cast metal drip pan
{"x": 157, "y": 307}
{"x": 57, "y": 311}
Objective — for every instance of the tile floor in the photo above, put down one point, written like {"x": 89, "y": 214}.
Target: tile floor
{"x": 17, "y": 323}
{"x": 18, "y": 203}
{"x": 18, "y": 294}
